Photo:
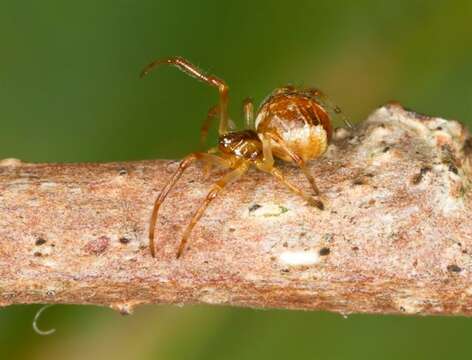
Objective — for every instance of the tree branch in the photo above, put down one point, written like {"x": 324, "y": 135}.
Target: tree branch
{"x": 396, "y": 234}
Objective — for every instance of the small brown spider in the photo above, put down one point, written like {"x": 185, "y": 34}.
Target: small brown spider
{"x": 292, "y": 124}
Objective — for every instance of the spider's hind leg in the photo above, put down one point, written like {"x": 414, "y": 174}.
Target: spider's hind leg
{"x": 295, "y": 189}
{"x": 296, "y": 159}
{"x": 332, "y": 108}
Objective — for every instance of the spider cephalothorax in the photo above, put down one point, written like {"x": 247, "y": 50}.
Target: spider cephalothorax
{"x": 243, "y": 144}
{"x": 292, "y": 125}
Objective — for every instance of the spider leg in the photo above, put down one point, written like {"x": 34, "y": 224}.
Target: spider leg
{"x": 184, "y": 164}
{"x": 296, "y": 159}
{"x": 208, "y": 164}
{"x": 190, "y": 69}
{"x": 214, "y": 190}
{"x": 268, "y": 158}
{"x": 212, "y": 113}
{"x": 281, "y": 177}
{"x": 332, "y": 107}
{"x": 248, "y": 111}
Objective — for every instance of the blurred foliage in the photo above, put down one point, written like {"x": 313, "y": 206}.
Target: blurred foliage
{"x": 70, "y": 91}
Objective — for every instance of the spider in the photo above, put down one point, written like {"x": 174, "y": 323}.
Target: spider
{"x": 292, "y": 124}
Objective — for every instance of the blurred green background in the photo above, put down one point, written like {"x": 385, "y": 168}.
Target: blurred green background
{"x": 69, "y": 92}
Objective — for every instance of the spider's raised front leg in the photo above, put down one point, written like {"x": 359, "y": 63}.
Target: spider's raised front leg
{"x": 192, "y": 70}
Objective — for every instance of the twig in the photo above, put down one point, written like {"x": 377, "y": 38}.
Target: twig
{"x": 396, "y": 234}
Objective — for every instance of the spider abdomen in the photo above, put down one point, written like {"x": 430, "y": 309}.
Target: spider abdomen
{"x": 308, "y": 142}
{"x": 299, "y": 120}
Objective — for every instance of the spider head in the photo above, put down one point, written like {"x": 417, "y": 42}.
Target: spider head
{"x": 242, "y": 144}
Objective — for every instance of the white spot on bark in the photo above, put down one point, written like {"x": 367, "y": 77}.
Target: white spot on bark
{"x": 47, "y": 185}
{"x": 268, "y": 210}
{"x": 299, "y": 258}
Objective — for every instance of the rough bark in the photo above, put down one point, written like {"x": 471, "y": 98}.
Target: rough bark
{"x": 395, "y": 237}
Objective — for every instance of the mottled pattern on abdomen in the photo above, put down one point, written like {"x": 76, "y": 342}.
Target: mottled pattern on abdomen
{"x": 299, "y": 120}
{"x": 308, "y": 142}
